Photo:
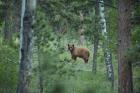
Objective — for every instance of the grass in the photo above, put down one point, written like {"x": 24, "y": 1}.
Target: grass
{"x": 76, "y": 77}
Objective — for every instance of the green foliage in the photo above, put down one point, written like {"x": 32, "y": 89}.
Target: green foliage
{"x": 136, "y": 35}
{"x": 43, "y": 31}
{"x": 8, "y": 69}
{"x": 1, "y": 11}
{"x": 133, "y": 53}
{"x": 61, "y": 74}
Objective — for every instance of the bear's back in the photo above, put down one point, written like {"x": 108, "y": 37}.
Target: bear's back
{"x": 81, "y": 52}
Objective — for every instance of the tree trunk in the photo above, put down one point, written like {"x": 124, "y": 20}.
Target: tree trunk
{"x": 125, "y": 67}
{"x": 96, "y": 37}
{"x": 28, "y": 7}
{"x": 82, "y": 37}
{"x": 107, "y": 52}
{"x": 11, "y": 12}
{"x": 95, "y": 51}
{"x": 81, "y": 29}
{"x": 16, "y": 16}
{"x": 7, "y": 20}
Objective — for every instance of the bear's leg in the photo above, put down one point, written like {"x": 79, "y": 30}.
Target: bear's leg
{"x": 86, "y": 60}
{"x": 73, "y": 57}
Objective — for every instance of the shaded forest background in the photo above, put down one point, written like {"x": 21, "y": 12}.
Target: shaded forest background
{"x": 40, "y": 35}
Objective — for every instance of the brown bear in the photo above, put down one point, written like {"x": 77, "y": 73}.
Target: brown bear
{"x": 79, "y": 52}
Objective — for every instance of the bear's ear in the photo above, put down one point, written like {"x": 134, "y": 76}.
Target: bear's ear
{"x": 68, "y": 45}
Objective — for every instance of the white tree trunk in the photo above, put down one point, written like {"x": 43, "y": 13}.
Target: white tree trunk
{"x": 107, "y": 53}
{"x": 102, "y": 18}
{"x": 27, "y": 16}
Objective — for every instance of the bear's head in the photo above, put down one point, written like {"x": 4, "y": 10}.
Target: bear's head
{"x": 70, "y": 47}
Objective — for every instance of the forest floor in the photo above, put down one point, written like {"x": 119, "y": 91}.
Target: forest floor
{"x": 77, "y": 76}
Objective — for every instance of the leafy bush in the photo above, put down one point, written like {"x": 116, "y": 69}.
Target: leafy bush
{"x": 8, "y": 69}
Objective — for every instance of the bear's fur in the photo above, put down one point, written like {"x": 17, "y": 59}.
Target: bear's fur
{"x": 79, "y": 52}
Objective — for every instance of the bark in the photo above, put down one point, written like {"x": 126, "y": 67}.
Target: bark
{"x": 26, "y": 46}
{"x": 109, "y": 66}
{"x": 96, "y": 43}
{"x": 82, "y": 37}
{"x": 16, "y": 16}
{"x": 82, "y": 29}
{"x": 107, "y": 52}
{"x": 11, "y": 12}
{"x": 96, "y": 38}
{"x": 7, "y": 20}
{"x": 125, "y": 67}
